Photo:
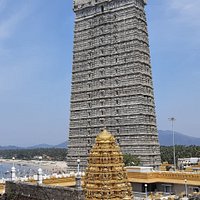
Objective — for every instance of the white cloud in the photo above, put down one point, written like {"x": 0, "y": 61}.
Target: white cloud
{"x": 185, "y": 5}
{"x": 18, "y": 73}
{"x": 186, "y": 10}
{"x": 2, "y": 5}
{"x": 8, "y": 25}
{"x": 11, "y": 19}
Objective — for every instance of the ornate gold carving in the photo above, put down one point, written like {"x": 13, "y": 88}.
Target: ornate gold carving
{"x": 105, "y": 176}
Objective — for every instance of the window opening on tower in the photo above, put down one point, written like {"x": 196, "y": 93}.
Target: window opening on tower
{"x": 102, "y": 8}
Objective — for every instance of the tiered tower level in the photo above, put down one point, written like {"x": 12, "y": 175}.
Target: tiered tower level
{"x": 112, "y": 81}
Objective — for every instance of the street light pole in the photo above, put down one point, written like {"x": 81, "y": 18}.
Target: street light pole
{"x": 39, "y": 174}
{"x": 146, "y": 192}
{"x": 78, "y": 166}
{"x": 172, "y": 119}
{"x": 186, "y": 190}
{"x": 13, "y": 171}
{"x": 78, "y": 176}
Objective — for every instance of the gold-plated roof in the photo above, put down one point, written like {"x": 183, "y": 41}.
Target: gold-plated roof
{"x": 105, "y": 136}
{"x": 105, "y": 176}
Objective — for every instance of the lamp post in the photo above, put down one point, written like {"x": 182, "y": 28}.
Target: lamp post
{"x": 172, "y": 119}
{"x": 78, "y": 166}
{"x": 13, "y": 171}
{"x": 146, "y": 193}
{"x": 40, "y": 160}
{"x": 186, "y": 189}
{"x": 39, "y": 174}
{"x": 78, "y": 176}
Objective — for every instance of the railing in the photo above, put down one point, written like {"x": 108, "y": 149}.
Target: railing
{"x": 59, "y": 180}
{"x": 139, "y": 194}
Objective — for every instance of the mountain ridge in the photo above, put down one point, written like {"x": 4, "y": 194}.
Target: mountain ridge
{"x": 165, "y": 139}
{"x": 12, "y": 147}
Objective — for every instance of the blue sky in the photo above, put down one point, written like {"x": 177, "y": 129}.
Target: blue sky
{"x": 36, "y": 38}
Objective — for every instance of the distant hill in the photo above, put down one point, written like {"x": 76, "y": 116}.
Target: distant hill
{"x": 9, "y": 147}
{"x": 61, "y": 145}
{"x": 166, "y": 139}
{"x": 40, "y": 146}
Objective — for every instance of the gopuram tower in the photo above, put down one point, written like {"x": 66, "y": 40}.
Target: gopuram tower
{"x": 112, "y": 80}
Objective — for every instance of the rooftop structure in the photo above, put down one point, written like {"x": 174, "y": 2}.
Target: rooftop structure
{"x": 158, "y": 185}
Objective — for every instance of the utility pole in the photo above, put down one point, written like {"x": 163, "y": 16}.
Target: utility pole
{"x": 172, "y": 119}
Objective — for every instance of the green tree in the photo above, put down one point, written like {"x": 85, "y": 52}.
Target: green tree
{"x": 131, "y": 160}
{"x": 181, "y": 152}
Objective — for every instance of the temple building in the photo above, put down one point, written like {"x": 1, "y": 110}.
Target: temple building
{"x": 106, "y": 177}
{"x": 112, "y": 80}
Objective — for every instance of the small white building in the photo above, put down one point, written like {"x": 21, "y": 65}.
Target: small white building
{"x": 139, "y": 169}
{"x": 184, "y": 162}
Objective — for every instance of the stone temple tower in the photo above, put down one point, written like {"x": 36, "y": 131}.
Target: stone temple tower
{"x": 112, "y": 80}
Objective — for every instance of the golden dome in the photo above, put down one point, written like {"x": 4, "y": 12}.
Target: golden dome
{"x": 105, "y": 176}
{"x": 105, "y": 136}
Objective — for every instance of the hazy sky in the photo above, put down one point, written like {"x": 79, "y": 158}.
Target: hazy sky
{"x": 36, "y": 38}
